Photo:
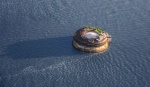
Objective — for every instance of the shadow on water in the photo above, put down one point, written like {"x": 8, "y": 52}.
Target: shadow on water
{"x": 61, "y": 46}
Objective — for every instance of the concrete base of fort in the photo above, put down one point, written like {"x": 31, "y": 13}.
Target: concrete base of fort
{"x": 91, "y": 49}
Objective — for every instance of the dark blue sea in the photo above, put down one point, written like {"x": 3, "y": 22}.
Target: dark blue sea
{"x": 36, "y": 43}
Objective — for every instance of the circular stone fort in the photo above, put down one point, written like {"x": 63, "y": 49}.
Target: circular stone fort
{"x": 91, "y": 39}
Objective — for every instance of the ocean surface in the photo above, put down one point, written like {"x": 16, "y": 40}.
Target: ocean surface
{"x": 36, "y": 43}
